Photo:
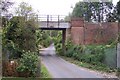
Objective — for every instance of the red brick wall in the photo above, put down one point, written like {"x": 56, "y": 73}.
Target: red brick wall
{"x": 77, "y": 30}
{"x": 77, "y": 35}
{"x": 96, "y": 34}
{"x": 91, "y": 33}
{"x": 77, "y": 22}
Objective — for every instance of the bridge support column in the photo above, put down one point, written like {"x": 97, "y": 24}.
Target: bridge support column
{"x": 77, "y": 31}
{"x": 63, "y": 41}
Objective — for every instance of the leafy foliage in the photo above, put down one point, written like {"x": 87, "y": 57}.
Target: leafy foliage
{"x": 92, "y": 11}
{"x": 24, "y": 9}
{"x": 19, "y": 35}
{"x": 28, "y": 62}
{"x": 114, "y": 14}
{"x": 5, "y": 5}
{"x": 45, "y": 38}
{"x": 93, "y": 54}
{"x": 19, "y": 41}
{"x": 70, "y": 49}
{"x": 58, "y": 42}
{"x": 98, "y": 67}
{"x": 118, "y": 10}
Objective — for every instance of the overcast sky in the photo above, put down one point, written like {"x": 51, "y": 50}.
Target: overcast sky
{"x": 51, "y": 7}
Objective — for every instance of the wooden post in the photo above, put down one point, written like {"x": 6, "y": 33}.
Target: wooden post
{"x": 63, "y": 41}
{"x": 118, "y": 47}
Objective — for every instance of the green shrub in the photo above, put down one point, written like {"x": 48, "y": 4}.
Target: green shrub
{"x": 96, "y": 53}
{"x": 28, "y": 62}
{"x": 74, "y": 51}
{"x": 75, "y": 56}
{"x": 69, "y": 51}
{"x": 57, "y": 39}
{"x": 18, "y": 35}
{"x": 93, "y": 54}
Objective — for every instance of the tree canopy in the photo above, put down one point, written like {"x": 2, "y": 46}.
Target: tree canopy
{"x": 19, "y": 34}
{"x": 92, "y": 11}
{"x": 5, "y": 5}
{"x": 118, "y": 10}
{"x": 24, "y": 9}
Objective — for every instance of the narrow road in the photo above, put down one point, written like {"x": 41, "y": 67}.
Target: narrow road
{"x": 60, "y": 68}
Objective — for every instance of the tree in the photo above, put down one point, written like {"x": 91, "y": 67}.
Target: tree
{"x": 19, "y": 35}
{"x": 24, "y": 9}
{"x": 115, "y": 16}
{"x": 81, "y": 10}
{"x": 112, "y": 16}
{"x": 5, "y": 5}
{"x": 118, "y": 14}
{"x": 92, "y": 11}
{"x": 118, "y": 10}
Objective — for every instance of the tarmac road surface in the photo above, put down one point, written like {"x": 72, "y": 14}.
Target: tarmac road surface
{"x": 60, "y": 68}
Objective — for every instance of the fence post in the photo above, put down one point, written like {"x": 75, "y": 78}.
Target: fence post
{"x": 0, "y": 47}
{"x": 118, "y": 55}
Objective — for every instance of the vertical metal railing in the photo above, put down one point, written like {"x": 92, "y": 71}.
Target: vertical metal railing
{"x": 58, "y": 21}
{"x": 47, "y": 20}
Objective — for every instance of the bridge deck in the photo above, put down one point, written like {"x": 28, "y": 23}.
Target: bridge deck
{"x": 53, "y": 24}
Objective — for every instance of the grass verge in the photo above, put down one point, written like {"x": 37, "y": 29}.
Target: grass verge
{"x": 44, "y": 72}
{"x": 101, "y": 67}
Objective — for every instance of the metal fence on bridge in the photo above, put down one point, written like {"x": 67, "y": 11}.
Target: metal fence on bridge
{"x": 53, "y": 21}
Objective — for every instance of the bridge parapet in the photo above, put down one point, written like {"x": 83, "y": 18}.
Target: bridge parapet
{"x": 53, "y": 21}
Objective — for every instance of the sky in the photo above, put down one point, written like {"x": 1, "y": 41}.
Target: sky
{"x": 51, "y": 7}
